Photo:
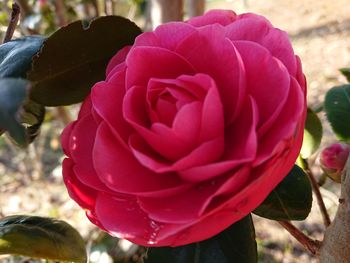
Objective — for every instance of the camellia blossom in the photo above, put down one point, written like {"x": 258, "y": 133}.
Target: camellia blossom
{"x": 333, "y": 159}
{"x": 194, "y": 125}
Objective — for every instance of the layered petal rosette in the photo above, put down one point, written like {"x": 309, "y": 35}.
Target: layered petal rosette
{"x": 194, "y": 125}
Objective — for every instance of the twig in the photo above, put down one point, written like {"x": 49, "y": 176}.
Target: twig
{"x": 316, "y": 189}
{"x": 13, "y": 22}
{"x": 312, "y": 245}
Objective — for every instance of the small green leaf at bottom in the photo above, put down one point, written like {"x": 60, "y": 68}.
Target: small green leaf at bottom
{"x": 235, "y": 244}
{"x": 41, "y": 237}
{"x": 290, "y": 200}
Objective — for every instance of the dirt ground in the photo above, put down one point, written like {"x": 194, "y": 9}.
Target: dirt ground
{"x": 320, "y": 32}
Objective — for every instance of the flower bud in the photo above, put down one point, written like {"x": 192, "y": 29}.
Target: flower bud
{"x": 333, "y": 159}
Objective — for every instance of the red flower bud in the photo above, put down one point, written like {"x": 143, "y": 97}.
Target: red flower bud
{"x": 333, "y": 159}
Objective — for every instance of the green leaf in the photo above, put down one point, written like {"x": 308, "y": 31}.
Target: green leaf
{"x": 346, "y": 73}
{"x": 16, "y": 56}
{"x": 75, "y": 57}
{"x": 312, "y": 134}
{"x": 15, "y": 109}
{"x": 13, "y": 93}
{"x": 235, "y": 244}
{"x": 41, "y": 237}
{"x": 33, "y": 114}
{"x": 337, "y": 107}
{"x": 290, "y": 200}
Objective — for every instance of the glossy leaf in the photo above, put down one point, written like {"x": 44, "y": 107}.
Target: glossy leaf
{"x": 312, "y": 135}
{"x": 75, "y": 57}
{"x": 41, "y": 237}
{"x": 235, "y": 244}
{"x": 16, "y": 56}
{"x": 337, "y": 107}
{"x": 346, "y": 73}
{"x": 290, "y": 200}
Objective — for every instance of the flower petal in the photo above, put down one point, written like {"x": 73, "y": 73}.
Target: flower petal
{"x": 107, "y": 100}
{"x": 285, "y": 126}
{"x": 259, "y": 30}
{"x": 116, "y": 60}
{"x": 222, "y": 17}
{"x": 79, "y": 192}
{"x": 82, "y": 139}
{"x": 268, "y": 81}
{"x": 144, "y": 63}
{"x": 210, "y": 52}
{"x": 119, "y": 169}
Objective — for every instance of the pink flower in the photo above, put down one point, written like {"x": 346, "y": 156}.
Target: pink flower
{"x": 333, "y": 159}
{"x": 193, "y": 127}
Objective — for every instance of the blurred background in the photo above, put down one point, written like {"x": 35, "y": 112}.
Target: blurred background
{"x": 30, "y": 179}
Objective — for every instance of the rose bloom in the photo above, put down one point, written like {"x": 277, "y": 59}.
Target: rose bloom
{"x": 195, "y": 124}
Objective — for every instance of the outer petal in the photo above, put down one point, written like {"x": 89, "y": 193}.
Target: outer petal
{"x": 167, "y": 36}
{"x": 65, "y": 137}
{"x": 258, "y": 29}
{"x": 116, "y": 60}
{"x": 284, "y": 127}
{"x": 222, "y": 17}
{"x": 82, "y": 139}
{"x": 268, "y": 81}
{"x": 79, "y": 192}
{"x": 122, "y": 217}
{"x": 107, "y": 99}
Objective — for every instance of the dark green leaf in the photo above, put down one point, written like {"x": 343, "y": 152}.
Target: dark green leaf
{"x": 346, "y": 73}
{"x": 75, "y": 57}
{"x": 33, "y": 114}
{"x": 337, "y": 107}
{"x": 41, "y": 237}
{"x": 312, "y": 134}
{"x": 235, "y": 244}
{"x": 16, "y": 109}
{"x": 290, "y": 200}
{"x": 13, "y": 93}
{"x": 16, "y": 56}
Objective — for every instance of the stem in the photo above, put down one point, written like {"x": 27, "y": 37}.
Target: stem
{"x": 25, "y": 8}
{"x": 316, "y": 189}
{"x": 312, "y": 245}
{"x": 13, "y": 22}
